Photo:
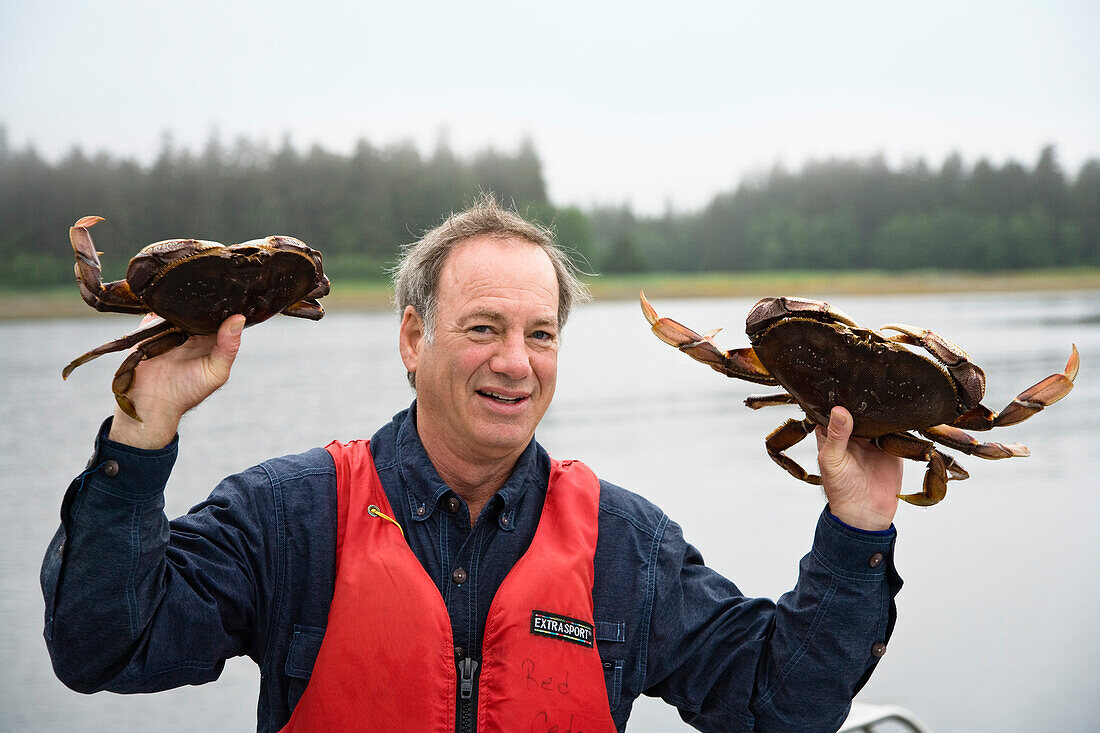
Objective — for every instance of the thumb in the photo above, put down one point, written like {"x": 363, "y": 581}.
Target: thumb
{"x": 834, "y": 449}
{"x": 228, "y": 344}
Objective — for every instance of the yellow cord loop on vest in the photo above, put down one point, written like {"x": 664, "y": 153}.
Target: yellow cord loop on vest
{"x": 374, "y": 511}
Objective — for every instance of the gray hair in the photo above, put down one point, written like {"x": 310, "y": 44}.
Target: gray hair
{"x": 416, "y": 275}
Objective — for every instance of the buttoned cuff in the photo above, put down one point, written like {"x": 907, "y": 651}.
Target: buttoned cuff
{"x": 850, "y": 552}
{"x": 842, "y": 523}
{"x": 134, "y": 474}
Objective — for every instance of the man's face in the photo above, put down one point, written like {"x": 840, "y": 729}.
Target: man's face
{"x": 487, "y": 376}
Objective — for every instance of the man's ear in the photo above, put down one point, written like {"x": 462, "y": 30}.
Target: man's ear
{"x": 410, "y": 338}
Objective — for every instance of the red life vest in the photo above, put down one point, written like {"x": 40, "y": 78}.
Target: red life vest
{"x": 387, "y": 664}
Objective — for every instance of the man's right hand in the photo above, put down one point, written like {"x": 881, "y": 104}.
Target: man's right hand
{"x": 167, "y": 386}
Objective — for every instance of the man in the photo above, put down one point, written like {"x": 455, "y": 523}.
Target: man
{"x": 515, "y": 593}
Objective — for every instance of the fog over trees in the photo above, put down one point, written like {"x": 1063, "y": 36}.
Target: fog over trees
{"x": 359, "y": 208}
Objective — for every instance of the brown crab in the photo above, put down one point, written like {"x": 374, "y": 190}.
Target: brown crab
{"x": 823, "y": 358}
{"x": 193, "y": 286}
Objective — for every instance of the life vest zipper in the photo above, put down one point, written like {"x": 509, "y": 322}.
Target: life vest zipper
{"x": 467, "y": 668}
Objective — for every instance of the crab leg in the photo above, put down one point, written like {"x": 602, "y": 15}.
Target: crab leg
{"x": 1032, "y": 400}
{"x": 145, "y": 332}
{"x": 785, "y": 436}
{"x": 739, "y": 363}
{"x": 941, "y": 468}
{"x": 322, "y": 288}
{"x": 757, "y": 401}
{"x": 113, "y": 297}
{"x": 960, "y": 441}
{"x": 158, "y": 344}
{"x": 305, "y": 308}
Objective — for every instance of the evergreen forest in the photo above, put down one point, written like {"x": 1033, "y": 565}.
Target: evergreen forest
{"x": 359, "y": 208}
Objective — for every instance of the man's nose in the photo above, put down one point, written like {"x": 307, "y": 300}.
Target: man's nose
{"x": 512, "y": 359}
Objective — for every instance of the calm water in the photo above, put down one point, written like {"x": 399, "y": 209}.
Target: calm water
{"x": 998, "y": 622}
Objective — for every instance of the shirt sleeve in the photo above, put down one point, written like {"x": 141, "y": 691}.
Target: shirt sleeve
{"x": 734, "y": 663}
{"x": 135, "y": 603}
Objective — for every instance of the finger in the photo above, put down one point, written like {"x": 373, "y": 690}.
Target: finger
{"x": 833, "y": 450}
{"x": 227, "y": 345}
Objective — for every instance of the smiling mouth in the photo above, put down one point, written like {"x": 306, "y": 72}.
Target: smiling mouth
{"x": 502, "y": 399}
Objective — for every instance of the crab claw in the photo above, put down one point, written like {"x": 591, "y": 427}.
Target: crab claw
{"x": 683, "y": 338}
{"x": 89, "y": 271}
{"x": 87, "y": 221}
{"x": 1032, "y": 400}
{"x": 115, "y": 297}
{"x": 739, "y": 363}
{"x": 1044, "y": 394}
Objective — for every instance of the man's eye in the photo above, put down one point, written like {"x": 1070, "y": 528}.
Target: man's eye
{"x": 543, "y": 336}
{"x": 482, "y": 329}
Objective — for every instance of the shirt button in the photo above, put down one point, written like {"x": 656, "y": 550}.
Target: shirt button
{"x": 878, "y": 649}
{"x": 459, "y": 576}
{"x": 504, "y": 521}
{"x": 110, "y": 468}
{"x": 875, "y": 560}
{"x": 460, "y": 652}
{"x": 453, "y": 504}
{"x": 421, "y": 511}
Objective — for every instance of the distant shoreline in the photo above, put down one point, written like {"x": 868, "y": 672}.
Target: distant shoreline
{"x": 374, "y": 295}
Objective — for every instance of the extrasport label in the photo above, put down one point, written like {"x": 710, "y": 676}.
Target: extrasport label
{"x": 565, "y": 628}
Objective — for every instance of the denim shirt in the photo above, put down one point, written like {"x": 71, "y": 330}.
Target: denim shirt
{"x": 135, "y": 603}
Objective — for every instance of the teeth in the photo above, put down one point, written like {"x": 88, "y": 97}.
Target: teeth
{"x": 500, "y": 397}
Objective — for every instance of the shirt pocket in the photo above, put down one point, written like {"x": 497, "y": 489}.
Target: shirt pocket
{"x": 304, "y": 646}
{"x": 610, "y": 636}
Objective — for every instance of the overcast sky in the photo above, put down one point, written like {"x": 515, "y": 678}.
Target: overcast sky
{"x": 650, "y": 104}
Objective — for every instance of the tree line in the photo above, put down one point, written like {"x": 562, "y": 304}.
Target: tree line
{"x": 864, "y": 215}
{"x": 359, "y": 208}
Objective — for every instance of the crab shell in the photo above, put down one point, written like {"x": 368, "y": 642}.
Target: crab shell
{"x": 196, "y": 285}
{"x": 823, "y": 358}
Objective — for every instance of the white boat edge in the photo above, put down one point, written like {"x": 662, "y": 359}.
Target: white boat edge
{"x": 863, "y": 718}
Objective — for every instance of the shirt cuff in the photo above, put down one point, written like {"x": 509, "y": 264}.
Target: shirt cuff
{"x": 851, "y": 552}
{"x": 835, "y": 518}
{"x": 135, "y": 474}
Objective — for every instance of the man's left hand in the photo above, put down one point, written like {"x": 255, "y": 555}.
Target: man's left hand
{"x": 861, "y": 482}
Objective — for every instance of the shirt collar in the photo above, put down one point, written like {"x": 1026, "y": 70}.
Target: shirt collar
{"x": 424, "y": 488}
